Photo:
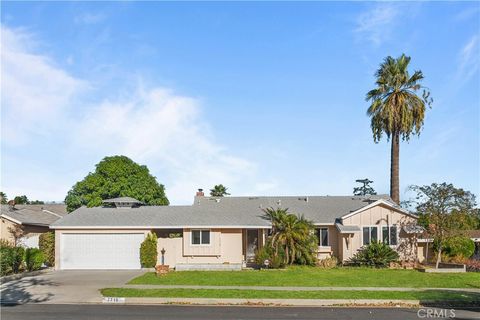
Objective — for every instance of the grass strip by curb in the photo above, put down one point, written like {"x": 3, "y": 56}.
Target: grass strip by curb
{"x": 431, "y": 295}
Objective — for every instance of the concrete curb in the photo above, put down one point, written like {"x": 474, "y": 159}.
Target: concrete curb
{"x": 270, "y": 302}
{"x": 23, "y": 275}
{"x": 278, "y": 288}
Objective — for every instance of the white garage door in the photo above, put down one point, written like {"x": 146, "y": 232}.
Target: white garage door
{"x": 100, "y": 250}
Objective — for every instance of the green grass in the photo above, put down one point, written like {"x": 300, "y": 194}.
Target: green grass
{"x": 316, "y": 277}
{"x": 280, "y": 294}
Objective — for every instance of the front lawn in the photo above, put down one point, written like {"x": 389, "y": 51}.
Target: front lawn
{"x": 280, "y": 294}
{"x": 316, "y": 277}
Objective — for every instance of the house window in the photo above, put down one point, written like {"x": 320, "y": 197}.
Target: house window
{"x": 323, "y": 237}
{"x": 389, "y": 235}
{"x": 370, "y": 234}
{"x": 200, "y": 237}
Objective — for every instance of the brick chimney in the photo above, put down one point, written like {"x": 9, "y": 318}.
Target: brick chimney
{"x": 200, "y": 193}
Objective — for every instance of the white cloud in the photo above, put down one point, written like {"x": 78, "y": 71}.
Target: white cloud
{"x": 375, "y": 25}
{"x": 167, "y": 131}
{"x": 35, "y": 93}
{"x": 153, "y": 126}
{"x": 469, "y": 60}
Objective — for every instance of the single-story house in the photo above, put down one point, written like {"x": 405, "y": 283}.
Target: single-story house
{"x": 222, "y": 232}
{"x": 425, "y": 246}
{"x": 27, "y": 222}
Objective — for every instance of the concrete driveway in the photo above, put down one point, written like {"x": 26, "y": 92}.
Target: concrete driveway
{"x": 72, "y": 286}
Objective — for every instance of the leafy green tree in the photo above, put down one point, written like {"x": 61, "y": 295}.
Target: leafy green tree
{"x": 397, "y": 110}
{"x": 116, "y": 176}
{"x": 292, "y": 237}
{"x": 219, "y": 191}
{"x": 446, "y": 211}
{"x": 3, "y": 198}
{"x": 365, "y": 189}
{"x": 36, "y": 202}
{"x": 460, "y": 247}
{"x": 21, "y": 199}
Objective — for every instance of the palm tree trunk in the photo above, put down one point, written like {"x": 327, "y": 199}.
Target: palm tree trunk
{"x": 394, "y": 169}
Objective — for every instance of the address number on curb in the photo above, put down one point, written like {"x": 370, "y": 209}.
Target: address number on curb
{"x": 113, "y": 300}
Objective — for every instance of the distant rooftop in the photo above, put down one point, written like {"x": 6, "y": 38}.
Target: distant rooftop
{"x": 122, "y": 200}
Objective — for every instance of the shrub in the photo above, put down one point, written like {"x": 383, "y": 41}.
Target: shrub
{"x": 376, "y": 254}
{"x": 33, "y": 259}
{"x": 266, "y": 253}
{"x": 17, "y": 258}
{"x": 11, "y": 258}
{"x": 46, "y": 243}
{"x": 148, "y": 251}
{"x": 6, "y": 258}
{"x": 328, "y": 263}
{"x": 459, "y": 247}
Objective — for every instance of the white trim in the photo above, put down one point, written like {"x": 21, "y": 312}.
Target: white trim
{"x": 10, "y": 219}
{"x": 323, "y": 224}
{"x": 376, "y": 203}
{"x": 160, "y": 227}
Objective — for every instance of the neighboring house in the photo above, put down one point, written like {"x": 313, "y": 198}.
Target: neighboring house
{"x": 28, "y": 221}
{"x": 223, "y": 233}
{"x": 425, "y": 246}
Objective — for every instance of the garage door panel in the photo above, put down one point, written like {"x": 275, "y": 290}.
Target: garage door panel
{"x": 100, "y": 250}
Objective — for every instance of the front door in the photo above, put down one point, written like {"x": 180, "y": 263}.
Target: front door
{"x": 252, "y": 244}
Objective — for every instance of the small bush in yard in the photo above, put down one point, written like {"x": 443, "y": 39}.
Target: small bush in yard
{"x": 459, "y": 247}
{"x": 6, "y": 258}
{"x": 148, "y": 251}
{"x": 46, "y": 244}
{"x": 266, "y": 253}
{"x": 11, "y": 258}
{"x": 17, "y": 258}
{"x": 33, "y": 259}
{"x": 328, "y": 263}
{"x": 376, "y": 254}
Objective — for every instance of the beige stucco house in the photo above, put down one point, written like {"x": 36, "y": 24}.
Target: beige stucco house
{"x": 223, "y": 233}
{"x": 28, "y": 222}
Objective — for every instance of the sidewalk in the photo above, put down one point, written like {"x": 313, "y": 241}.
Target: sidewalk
{"x": 277, "y": 288}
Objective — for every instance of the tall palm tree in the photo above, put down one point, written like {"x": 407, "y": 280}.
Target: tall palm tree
{"x": 396, "y": 109}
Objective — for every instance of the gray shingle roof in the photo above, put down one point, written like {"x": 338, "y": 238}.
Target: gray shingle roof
{"x": 42, "y": 215}
{"x": 211, "y": 212}
{"x": 347, "y": 229}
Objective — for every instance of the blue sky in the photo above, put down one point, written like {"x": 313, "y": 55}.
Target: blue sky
{"x": 266, "y": 98}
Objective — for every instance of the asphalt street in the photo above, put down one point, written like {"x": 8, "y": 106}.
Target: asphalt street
{"x": 121, "y": 312}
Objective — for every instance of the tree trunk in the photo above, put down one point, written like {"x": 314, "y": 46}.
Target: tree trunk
{"x": 394, "y": 169}
{"x": 439, "y": 256}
